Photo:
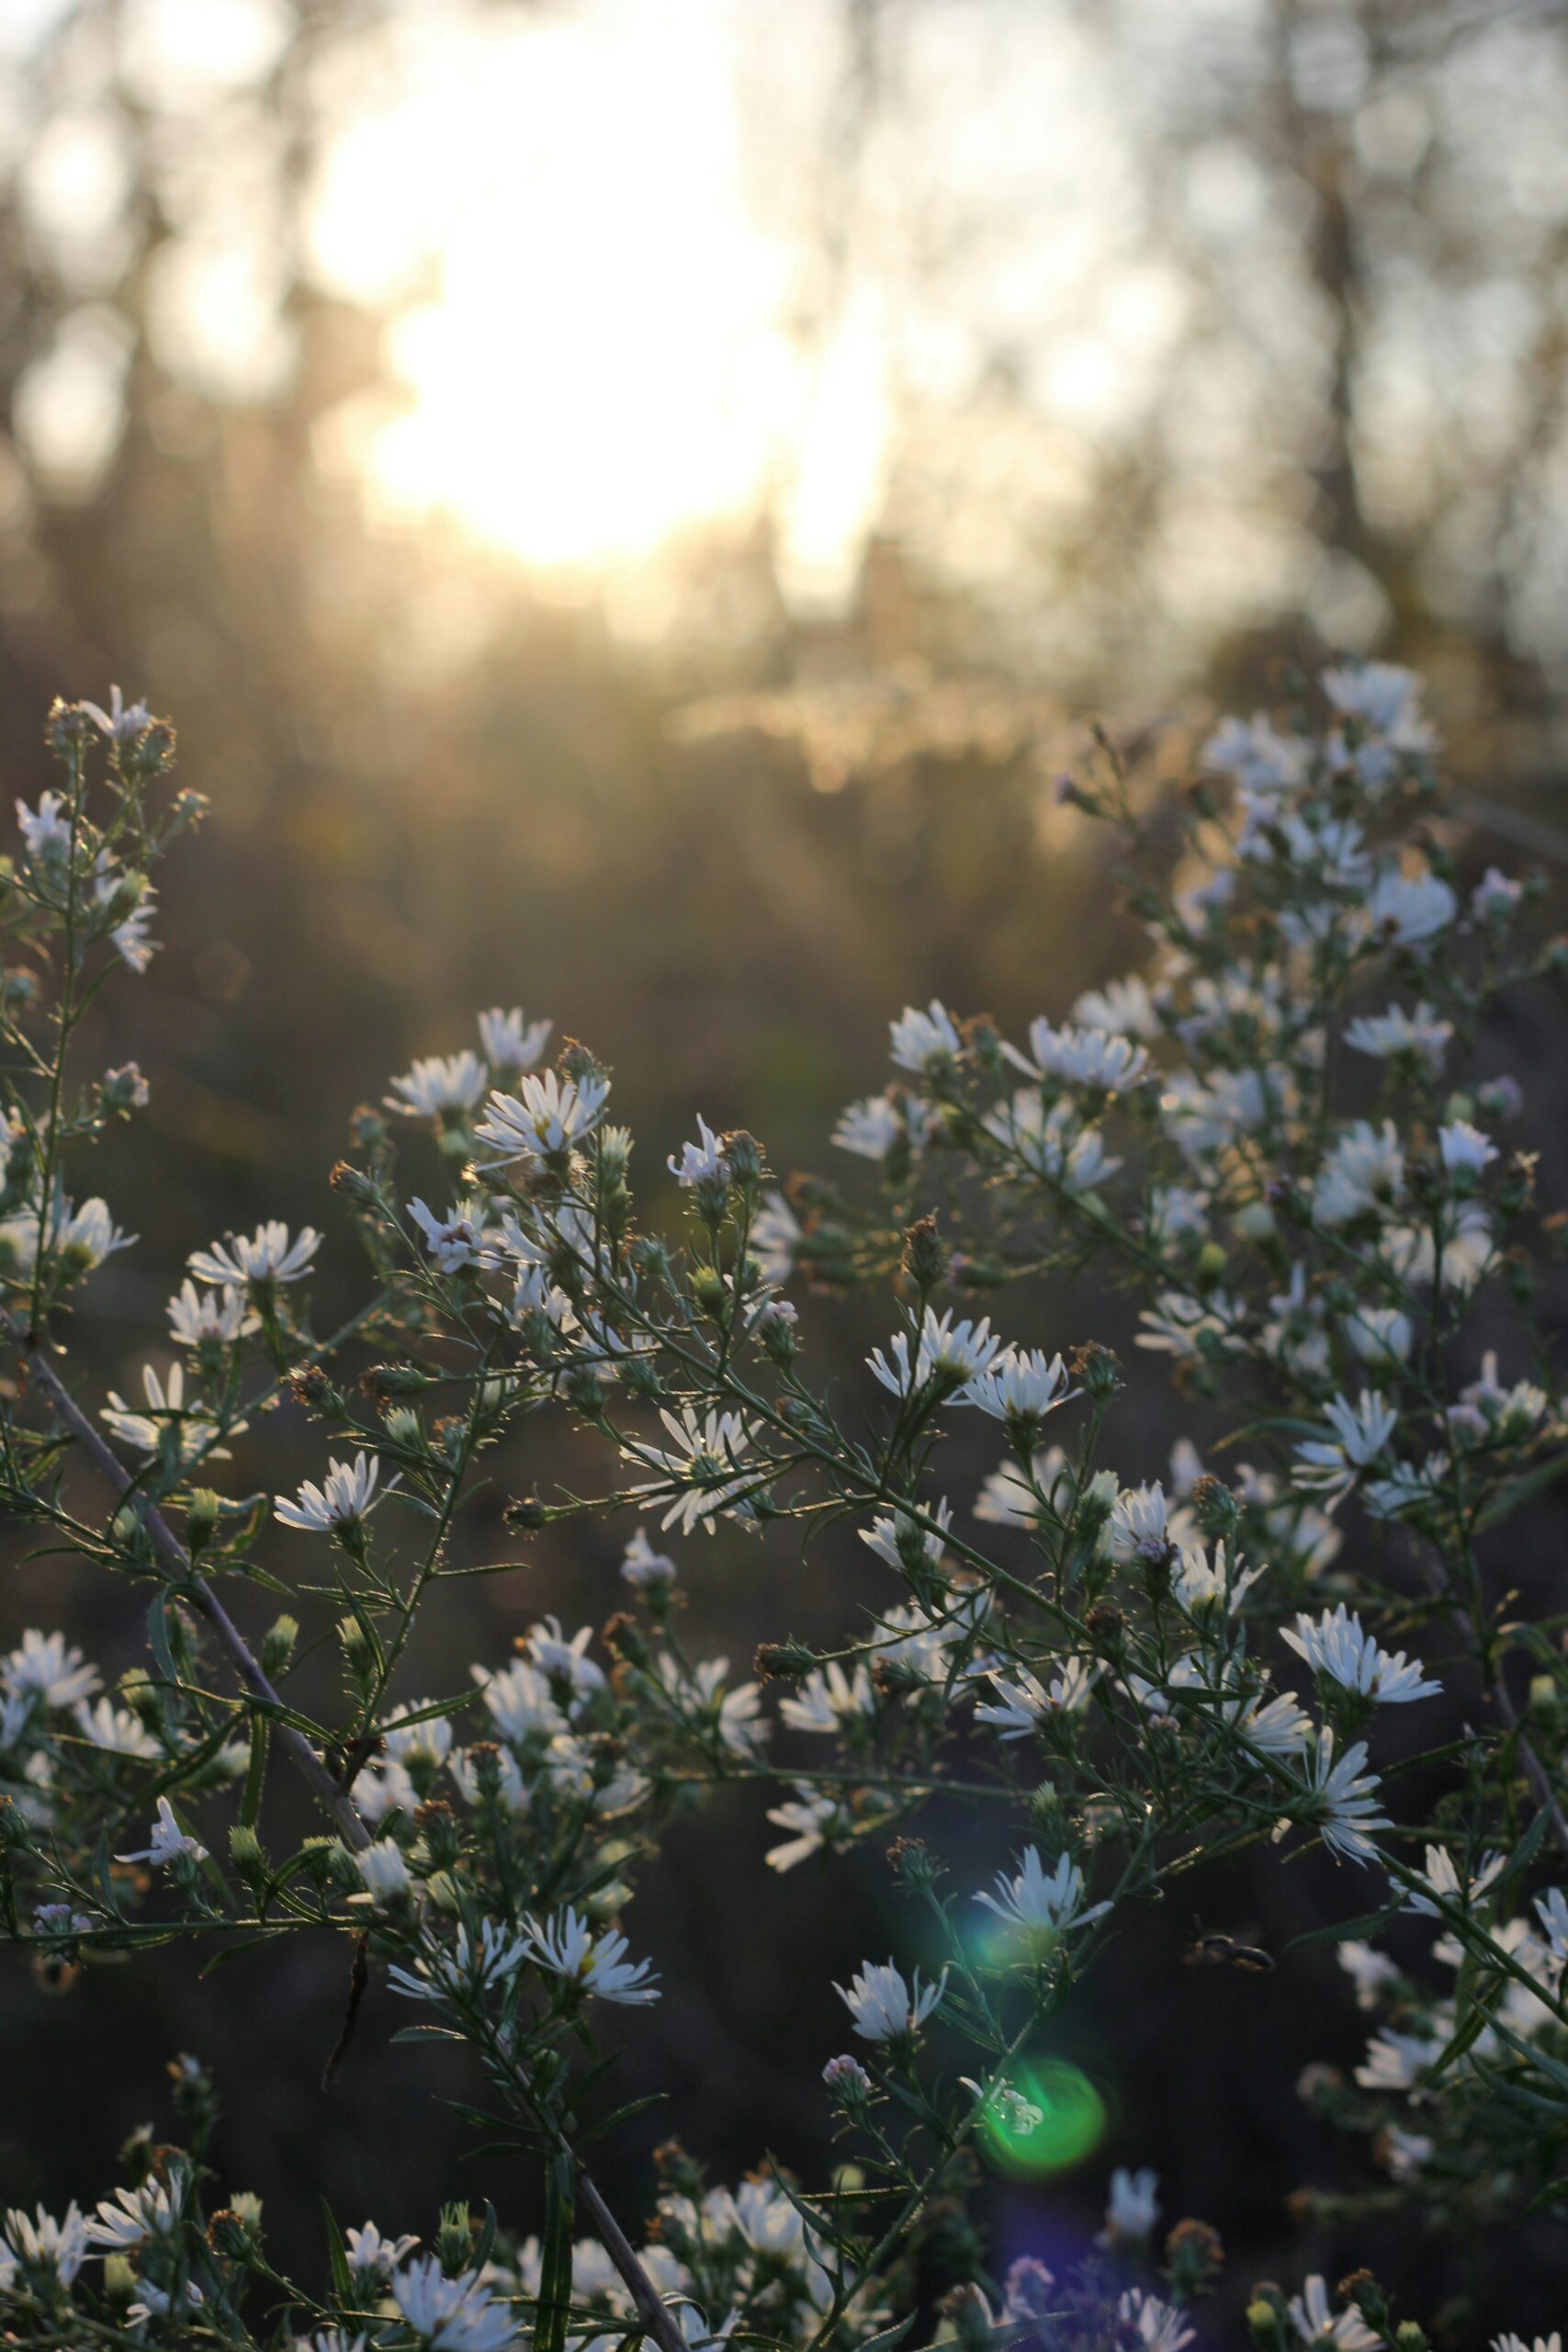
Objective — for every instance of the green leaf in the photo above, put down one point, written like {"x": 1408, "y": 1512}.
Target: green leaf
{"x": 1343, "y": 1931}
{"x": 337, "y": 2255}
{"x": 255, "y": 1776}
{"x": 555, "y": 2273}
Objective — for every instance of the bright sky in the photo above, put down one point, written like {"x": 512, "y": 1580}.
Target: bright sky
{"x": 655, "y": 278}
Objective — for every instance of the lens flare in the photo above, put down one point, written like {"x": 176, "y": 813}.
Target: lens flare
{"x": 1070, "y": 2127}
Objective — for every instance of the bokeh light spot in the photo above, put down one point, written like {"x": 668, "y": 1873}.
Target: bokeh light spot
{"x": 1071, "y": 2125}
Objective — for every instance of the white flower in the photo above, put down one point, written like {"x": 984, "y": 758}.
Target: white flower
{"x": 469, "y": 1969}
{"x": 169, "y": 1842}
{"x": 883, "y": 2006}
{"x": 265, "y": 1256}
{"x": 1137, "y": 1528}
{"x": 828, "y": 1698}
{"x": 511, "y": 1041}
{"x": 1380, "y": 1335}
{"x": 1132, "y": 2208}
{"x": 1316, "y": 2324}
{"x": 775, "y": 1235}
{"x": 453, "y": 2315}
{"x": 343, "y": 1499}
{"x": 701, "y": 1467}
{"x": 946, "y": 1351}
{"x": 1551, "y": 1909}
{"x": 193, "y": 1431}
{"x": 1421, "y": 1034}
{"x": 1259, "y": 760}
{"x": 565, "y": 1663}
{"x": 547, "y": 1115}
{"x": 1441, "y": 1878}
{"x": 1341, "y": 1803}
{"x": 807, "y": 1815}
{"x": 367, "y": 2250}
{"x": 385, "y": 1873}
{"x": 1396, "y": 2061}
{"x": 1334, "y": 1645}
{"x": 134, "y": 948}
{"x": 1383, "y": 697}
{"x": 702, "y": 1162}
{"x": 46, "y": 1664}
{"x": 872, "y": 1127}
{"x": 1223, "y": 1585}
{"x": 1041, "y": 1903}
{"x": 642, "y": 1566}
{"x": 88, "y": 1233}
{"x": 1280, "y": 1728}
{"x": 1495, "y": 894}
{"x": 1124, "y": 1007}
{"x": 412, "y": 1736}
{"x": 1160, "y": 2327}
{"x": 59, "y": 1919}
{"x": 1407, "y": 910}
{"x": 123, "y": 721}
{"x": 521, "y": 1702}
{"x": 1026, "y": 1703}
{"x": 1023, "y": 1385}
{"x": 198, "y": 1318}
{"x": 733, "y": 1714}
{"x": 1088, "y": 1058}
{"x": 453, "y": 1241}
{"x": 568, "y": 1947}
{"x": 1553, "y": 2343}
{"x": 1466, "y": 1151}
{"x": 46, "y": 826}
{"x": 439, "y": 1084}
{"x": 923, "y": 1039}
{"x": 1364, "y": 1171}
{"x": 149, "y": 2211}
{"x": 116, "y": 1730}
{"x": 45, "y": 2244}
{"x": 1369, "y": 1968}
{"x": 1405, "y": 2153}
{"x": 1362, "y": 1433}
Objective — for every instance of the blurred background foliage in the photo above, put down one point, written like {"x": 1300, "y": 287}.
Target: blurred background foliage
{"x": 630, "y": 508}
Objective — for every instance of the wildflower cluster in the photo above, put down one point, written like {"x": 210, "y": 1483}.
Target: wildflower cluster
{"x": 1274, "y": 1136}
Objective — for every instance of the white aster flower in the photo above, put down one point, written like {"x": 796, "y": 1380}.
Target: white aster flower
{"x": 1368, "y": 1969}
{"x": 1341, "y": 1801}
{"x": 47, "y": 1665}
{"x": 205, "y": 1318}
{"x": 511, "y": 1041}
{"x": 453, "y": 1241}
{"x": 565, "y": 1665}
{"x": 828, "y": 1698}
{"x": 367, "y": 2250}
{"x": 946, "y": 1352}
{"x": 883, "y": 2006}
{"x": 702, "y": 1162}
{"x": 701, "y": 1474}
{"x": 138, "y": 2214}
{"x": 1496, "y": 894}
{"x": 1087, "y": 1057}
{"x": 456, "y": 2315}
{"x": 568, "y": 1949}
{"x": 1380, "y": 1336}
{"x": 1158, "y": 2326}
{"x": 547, "y": 1115}
{"x": 343, "y": 1499}
{"x": 1023, "y": 1385}
{"x": 1024, "y": 1702}
{"x": 521, "y": 1702}
{"x": 44, "y": 2243}
{"x": 469, "y": 1969}
{"x": 193, "y": 1430}
{"x": 1465, "y": 1150}
{"x": 1132, "y": 2208}
{"x": 1334, "y": 1645}
{"x": 1362, "y": 1432}
{"x": 1408, "y": 909}
{"x": 1314, "y": 2323}
{"x": 116, "y": 1730}
{"x": 265, "y": 1256}
{"x": 1421, "y": 1034}
{"x": 46, "y": 829}
{"x": 1041, "y": 1904}
{"x": 642, "y": 1566}
{"x": 808, "y": 1817}
{"x": 1137, "y": 1528}
{"x": 385, "y": 1875}
{"x": 169, "y": 1842}
{"x": 1441, "y": 1879}
{"x": 922, "y": 1041}
{"x": 439, "y": 1085}
{"x": 123, "y": 721}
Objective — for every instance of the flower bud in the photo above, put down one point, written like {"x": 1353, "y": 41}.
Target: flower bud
{"x": 455, "y": 2239}
{"x": 277, "y": 1643}
{"x": 925, "y": 1257}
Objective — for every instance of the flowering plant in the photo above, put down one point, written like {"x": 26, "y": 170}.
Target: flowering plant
{"x": 1274, "y": 1135}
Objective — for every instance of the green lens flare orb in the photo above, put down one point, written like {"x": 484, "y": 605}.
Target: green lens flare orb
{"x": 1071, "y": 2122}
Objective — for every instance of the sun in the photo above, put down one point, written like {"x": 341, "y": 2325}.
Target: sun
{"x": 607, "y": 363}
